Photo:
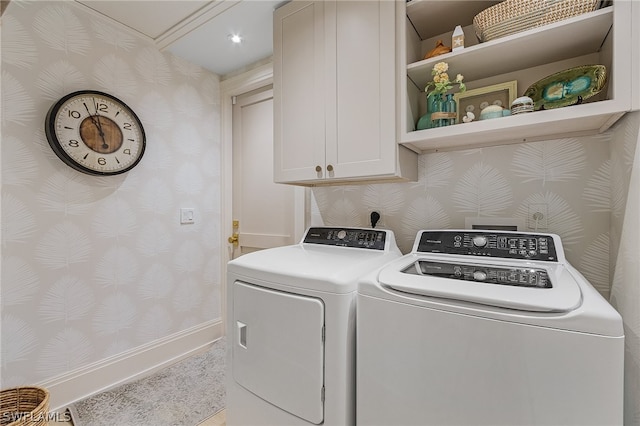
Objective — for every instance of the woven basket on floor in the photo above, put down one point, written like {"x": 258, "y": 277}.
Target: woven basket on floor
{"x": 24, "y": 406}
{"x": 514, "y": 16}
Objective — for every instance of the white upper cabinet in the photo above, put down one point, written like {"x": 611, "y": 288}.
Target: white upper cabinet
{"x": 605, "y": 36}
{"x": 335, "y": 94}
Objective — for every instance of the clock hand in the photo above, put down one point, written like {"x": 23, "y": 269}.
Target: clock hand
{"x": 104, "y": 142}
{"x": 98, "y": 124}
{"x": 92, "y": 119}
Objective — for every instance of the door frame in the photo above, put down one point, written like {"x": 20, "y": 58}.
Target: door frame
{"x": 253, "y": 79}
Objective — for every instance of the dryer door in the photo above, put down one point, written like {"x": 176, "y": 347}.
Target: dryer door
{"x": 278, "y": 348}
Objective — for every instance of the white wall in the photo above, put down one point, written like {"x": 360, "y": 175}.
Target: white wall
{"x": 93, "y": 267}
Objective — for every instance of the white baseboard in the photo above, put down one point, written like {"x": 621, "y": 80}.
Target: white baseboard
{"x": 134, "y": 364}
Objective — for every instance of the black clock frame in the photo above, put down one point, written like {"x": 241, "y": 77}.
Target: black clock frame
{"x": 55, "y": 144}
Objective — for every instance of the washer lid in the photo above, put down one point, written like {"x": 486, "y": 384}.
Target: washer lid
{"x": 523, "y": 286}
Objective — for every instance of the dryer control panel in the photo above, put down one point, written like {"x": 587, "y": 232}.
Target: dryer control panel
{"x": 507, "y": 245}
{"x": 347, "y": 237}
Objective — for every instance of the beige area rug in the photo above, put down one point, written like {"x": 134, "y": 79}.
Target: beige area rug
{"x": 183, "y": 394}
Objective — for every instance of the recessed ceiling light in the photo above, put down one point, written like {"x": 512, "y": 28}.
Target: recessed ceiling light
{"x": 235, "y": 38}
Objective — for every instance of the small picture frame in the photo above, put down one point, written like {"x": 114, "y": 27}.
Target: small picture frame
{"x": 475, "y": 100}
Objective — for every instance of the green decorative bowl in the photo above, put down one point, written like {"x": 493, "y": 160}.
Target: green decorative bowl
{"x": 568, "y": 87}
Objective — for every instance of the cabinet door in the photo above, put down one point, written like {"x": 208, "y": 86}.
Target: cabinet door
{"x": 360, "y": 37}
{"x": 299, "y": 104}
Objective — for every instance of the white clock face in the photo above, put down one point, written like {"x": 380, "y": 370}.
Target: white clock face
{"x": 95, "y": 133}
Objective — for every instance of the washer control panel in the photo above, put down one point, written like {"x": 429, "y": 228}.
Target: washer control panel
{"x": 505, "y": 245}
{"x": 347, "y": 237}
{"x": 520, "y": 277}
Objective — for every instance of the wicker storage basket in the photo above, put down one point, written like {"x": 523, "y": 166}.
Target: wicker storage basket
{"x": 513, "y": 16}
{"x": 24, "y": 406}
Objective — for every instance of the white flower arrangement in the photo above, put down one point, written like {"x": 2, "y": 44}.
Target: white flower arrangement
{"x": 441, "y": 82}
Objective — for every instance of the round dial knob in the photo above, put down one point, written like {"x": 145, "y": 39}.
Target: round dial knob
{"x": 342, "y": 234}
{"x": 479, "y": 241}
{"x": 457, "y": 271}
{"x": 479, "y": 275}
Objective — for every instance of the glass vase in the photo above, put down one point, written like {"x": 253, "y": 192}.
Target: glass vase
{"x": 425, "y": 121}
{"x": 436, "y": 106}
{"x": 451, "y": 109}
{"x": 441, "y": 111}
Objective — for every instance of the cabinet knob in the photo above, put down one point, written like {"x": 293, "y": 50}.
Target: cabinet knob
{"x": 329, "y": 168}
{"x": 318, "y": 169}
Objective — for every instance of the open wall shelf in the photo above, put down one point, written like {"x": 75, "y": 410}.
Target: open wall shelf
{"x": 604, "y": 36}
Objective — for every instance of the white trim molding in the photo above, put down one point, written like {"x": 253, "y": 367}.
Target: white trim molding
{"x": 131, "y": 365}
{"x": 253, "y": 79}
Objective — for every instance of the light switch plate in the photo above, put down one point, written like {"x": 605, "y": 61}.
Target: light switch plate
{"x": 187, "y": 215}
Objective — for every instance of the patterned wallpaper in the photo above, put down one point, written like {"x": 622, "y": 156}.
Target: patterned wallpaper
{"x": 625, "y": 234}
{"x": 94, "y": 266}
{"x": 568, "y": 178}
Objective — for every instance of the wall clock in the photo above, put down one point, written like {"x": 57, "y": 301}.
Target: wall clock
{"x": 95, "y": 133}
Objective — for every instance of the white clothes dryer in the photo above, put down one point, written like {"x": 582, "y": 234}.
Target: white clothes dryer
{"x": 291, "y": 314}
{"x": 486, "y": 328}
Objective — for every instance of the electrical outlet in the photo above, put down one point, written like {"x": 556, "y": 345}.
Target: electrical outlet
{"x": 538, "y": 216}
{"x": 375, "y": 216}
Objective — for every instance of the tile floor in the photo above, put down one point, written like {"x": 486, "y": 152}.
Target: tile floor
{"x": 219, "y": 419}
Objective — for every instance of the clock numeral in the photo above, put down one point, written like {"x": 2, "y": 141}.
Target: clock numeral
{"x": 127, "y": 151}
{"x": 101, "y": 107}
{"x": 74, "y": 143}
{"x": 127, "y": 126}
{"x": 102, "y": 161}
{"x": 74, "y": 114}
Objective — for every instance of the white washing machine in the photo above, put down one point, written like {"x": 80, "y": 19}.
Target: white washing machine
{"x": 291, "y": 316}
{"x": 486, "y": 328}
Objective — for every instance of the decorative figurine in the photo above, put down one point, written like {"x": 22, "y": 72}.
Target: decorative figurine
{"x": 522, "y": 104}
{"x": 469, "y": 117}
{"x": 457, "y": 39}
{"x": 493, "y": 111}
{"x": 440, "y": 49}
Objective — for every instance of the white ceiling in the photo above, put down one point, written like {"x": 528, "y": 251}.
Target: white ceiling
{"x": 198, "y": 30}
